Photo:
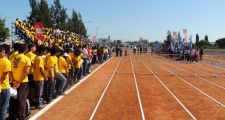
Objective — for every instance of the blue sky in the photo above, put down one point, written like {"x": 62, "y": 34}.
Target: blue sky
{"x": 132, "y": 19}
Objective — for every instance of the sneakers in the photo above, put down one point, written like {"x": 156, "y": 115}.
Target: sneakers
{"x": 39, "y": 107}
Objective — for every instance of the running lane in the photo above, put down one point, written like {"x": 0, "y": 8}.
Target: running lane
{"x": 120, "y": 101}
{"x": 200, "y": 105}
{"x": 158, "y": 103}
{"x": 79, "y": 103}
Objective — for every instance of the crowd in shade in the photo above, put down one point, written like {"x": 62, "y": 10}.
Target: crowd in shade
{"x": 43, "y": 70}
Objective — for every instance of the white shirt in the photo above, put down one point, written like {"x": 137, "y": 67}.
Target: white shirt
{"x": 85, "y": 53}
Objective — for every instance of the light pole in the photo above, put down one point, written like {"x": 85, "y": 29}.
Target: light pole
{"x": 96, "y": 34}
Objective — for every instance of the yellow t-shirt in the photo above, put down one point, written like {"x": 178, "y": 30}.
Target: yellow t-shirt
{"x": 46, "y": 72}
{"x": 56, "y": 66}
{"x": 12, "y": 55}
{"x": 5, "y": 66}
{"x": 78, "y": 62}
{"x": 19, "y": 63}
{"x": 51, "y": 62}
{"x": 32, "y": 57}
{"x": 38, "y": 65}
{"x": 69, "y": 60}
{"x": 62, "y": 65}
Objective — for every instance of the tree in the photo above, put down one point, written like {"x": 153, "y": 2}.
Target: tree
{"x": 204, "y": 43}
{"x": 220, "y": 43}
{"x": 168, "y": 39}
{"x": 52, "y": 17}
{"x": 63, "y": 18}
{"x": 206, "y": 38}
{"x": 60, "y": 15}
{"x": 34, "y": 11}
{"x": 82, "y": 29}
{"x": 44, "y": 14}
{"x": 4, "y": 31}
{"x": 197, "y": 39}
{"x": 69, "y": 25}
{"x": 75, "y": 21}
{"x": 56, "y": 16}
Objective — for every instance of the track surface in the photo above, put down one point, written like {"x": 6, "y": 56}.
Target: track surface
{"x": 140, "y": 87}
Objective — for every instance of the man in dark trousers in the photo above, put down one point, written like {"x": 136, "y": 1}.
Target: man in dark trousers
{"x": 117, "y": 51}
{"x": 201, "y": 53}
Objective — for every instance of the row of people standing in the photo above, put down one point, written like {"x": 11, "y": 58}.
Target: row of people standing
{"x": 40, "y": 74}
{"x": 191, "y": 55}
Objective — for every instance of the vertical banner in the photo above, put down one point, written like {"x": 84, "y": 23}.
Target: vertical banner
{"x": 185, "y": 35}
{"x": 174, "y": 36}
{"x": 190, "y": 44}
{"x": 39, "y": 32}
{"x": 94, "y": 39}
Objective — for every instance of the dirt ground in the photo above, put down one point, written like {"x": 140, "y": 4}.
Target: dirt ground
{"x": 145, "y": 86}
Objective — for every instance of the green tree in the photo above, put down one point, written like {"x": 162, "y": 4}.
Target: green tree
{"x": 206, "y": 38}
{"x": 34, "y": 11}
{"x": 60, "y": 15}
{"x": 197, "y": 39}
{"x": 168, "y": 39}
{"x": 63, "y": 18}
{"x": 204, "y": 44}
{"x": 75, "y": 22}
{"x": 82, "y": 29}
{"x": 52, "y": 17}
{"x": 4, "y": 31}
{"x": 69, "y": 25}
{"x": 220, "y": 43}
{"x": 44, "y": 14}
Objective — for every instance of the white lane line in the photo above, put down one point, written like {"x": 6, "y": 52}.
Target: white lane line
{"x": 197, "y": 76}
{"x": 213, "y": 66}
{"x": 195, "y": 87}
{"x": 182, "y": 105}
{"x": 47, "y": 107}
{"x": 201, "y": 78}
{"x": 100, "y": 100}
{"x": 138, "y": 94}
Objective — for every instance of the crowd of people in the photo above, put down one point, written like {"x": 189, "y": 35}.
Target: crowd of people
{"x": 43, "y": 71}
{"x": 189, "y": 55}
{"x": 49, "y": 36}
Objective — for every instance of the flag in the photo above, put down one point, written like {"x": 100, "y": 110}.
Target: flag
{"x": 174, "y": 35}
{"x": 171, "y": 45}
{"x": 39, "y": 32}
{"x": 190, "y": 44}
{"x": 185, "y": 34}
{"x": 94, "y": 39}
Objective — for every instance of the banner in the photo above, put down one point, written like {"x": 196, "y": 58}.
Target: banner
{"x": 94, "y": 39}
{"x": 190, "y": 44}
{"x": 39, "y": 32}
{"x": 174, "y": 36}
{"x": 185, "y": 35}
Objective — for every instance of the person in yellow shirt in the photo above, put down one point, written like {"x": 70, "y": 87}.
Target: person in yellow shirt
{"x": 61, "y": 74}
{"x": 39, "y": 76}
{"x": 30, "y": 54}
{"x": 5, "y": 68}
{"x": 15, "y": 51}
{"x": 78, "y": 65}
{"x": 50, "y": 68}
{"x": 70, "y": 66}
{"x": 20, "y": 69}
{"x": 62, "y": 64}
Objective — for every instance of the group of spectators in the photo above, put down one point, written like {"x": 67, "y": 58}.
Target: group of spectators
{"x": 48, "y": 37}
{"x": 41, "y": 73}
{"x": 189, "y": 55}
{"x": 42, "y": 70}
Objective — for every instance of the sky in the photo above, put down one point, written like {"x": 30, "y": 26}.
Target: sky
{"x": 128, "y": 20}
